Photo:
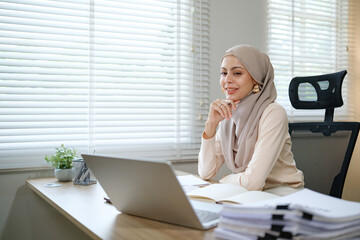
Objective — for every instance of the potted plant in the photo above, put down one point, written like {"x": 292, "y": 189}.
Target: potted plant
{"x": 62, "y": 160}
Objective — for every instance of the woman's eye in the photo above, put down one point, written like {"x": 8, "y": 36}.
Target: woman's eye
{"x": 237, "y": 73}
{"x": 223, "y": 73}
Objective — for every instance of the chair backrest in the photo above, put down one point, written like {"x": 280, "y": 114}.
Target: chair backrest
{"x": 322, "y": 150}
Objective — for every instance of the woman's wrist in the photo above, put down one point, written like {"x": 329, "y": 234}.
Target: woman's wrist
{"x": 210, "y": 130}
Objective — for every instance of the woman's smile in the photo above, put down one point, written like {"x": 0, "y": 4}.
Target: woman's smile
{"x": 231, "y": 90}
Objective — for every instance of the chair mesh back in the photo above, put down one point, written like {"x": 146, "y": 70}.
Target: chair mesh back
{"x": 317, "y": 92}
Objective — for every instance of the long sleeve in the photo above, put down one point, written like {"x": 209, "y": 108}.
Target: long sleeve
{"x": 210, "y": 157}
{"x": 272, "y": 163}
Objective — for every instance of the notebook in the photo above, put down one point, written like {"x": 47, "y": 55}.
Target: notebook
{"x": 150, "y": 189}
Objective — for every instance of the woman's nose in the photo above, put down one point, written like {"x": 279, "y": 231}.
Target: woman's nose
{"x": 228, "y": 78}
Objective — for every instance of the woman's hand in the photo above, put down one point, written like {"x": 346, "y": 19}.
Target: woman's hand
{"x": 219, "y": 110}
{"x": 233, "y": 178}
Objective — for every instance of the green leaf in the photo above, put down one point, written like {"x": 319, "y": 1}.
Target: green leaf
{"x": 63, "y": 157}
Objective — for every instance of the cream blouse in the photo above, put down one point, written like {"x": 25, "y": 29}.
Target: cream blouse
{"x": 272, "y": 163}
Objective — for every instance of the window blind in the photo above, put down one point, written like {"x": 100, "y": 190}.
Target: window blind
{"x": 307, "y": 38}
{"x": 125, "y": 78}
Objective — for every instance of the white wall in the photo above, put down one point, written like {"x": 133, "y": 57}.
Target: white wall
{"x": 233, "y": 22}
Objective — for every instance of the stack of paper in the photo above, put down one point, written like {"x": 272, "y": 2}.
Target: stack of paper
{"x": 302, "y": 215}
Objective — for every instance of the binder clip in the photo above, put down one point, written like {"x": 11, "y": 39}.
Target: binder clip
{"x": 83, "y": 177}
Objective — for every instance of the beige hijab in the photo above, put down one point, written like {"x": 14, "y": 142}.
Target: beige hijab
{"x": 239, "y": 133}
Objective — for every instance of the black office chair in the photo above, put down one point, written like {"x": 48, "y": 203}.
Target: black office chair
{"x": 322, "y": 150}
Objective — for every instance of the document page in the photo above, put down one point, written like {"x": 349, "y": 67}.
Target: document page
{"x": 191, "y": 180}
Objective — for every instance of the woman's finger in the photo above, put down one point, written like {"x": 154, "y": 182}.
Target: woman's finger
{"x": 215, "y": 109}
{"x": 219, "y": 108}
{"x": 226, "y": 108}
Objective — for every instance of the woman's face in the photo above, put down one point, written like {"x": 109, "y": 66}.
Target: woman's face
{"x": 235, "y": 79}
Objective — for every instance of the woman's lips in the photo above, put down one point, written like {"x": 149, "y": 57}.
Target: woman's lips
{"x": 231, "y": 90}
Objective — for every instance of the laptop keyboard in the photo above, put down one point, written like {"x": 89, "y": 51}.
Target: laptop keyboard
{"x": 206, "y": 216}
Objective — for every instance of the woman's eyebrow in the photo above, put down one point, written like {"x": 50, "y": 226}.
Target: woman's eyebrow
{"x": 236, "y": 67}
{"x": 232, "y": 68}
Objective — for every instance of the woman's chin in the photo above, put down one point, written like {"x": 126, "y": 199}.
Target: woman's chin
{"x": 232, "y": 98}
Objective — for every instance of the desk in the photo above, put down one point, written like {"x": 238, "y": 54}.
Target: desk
{"x": 86, "y": 208}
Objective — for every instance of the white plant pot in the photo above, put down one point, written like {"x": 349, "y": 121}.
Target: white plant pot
{"x": 64, "y": 175}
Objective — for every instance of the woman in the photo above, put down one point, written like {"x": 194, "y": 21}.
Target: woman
{"x": 252, "y": 137}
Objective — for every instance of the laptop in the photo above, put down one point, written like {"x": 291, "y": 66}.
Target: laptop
{"x": 150, "y": 189}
